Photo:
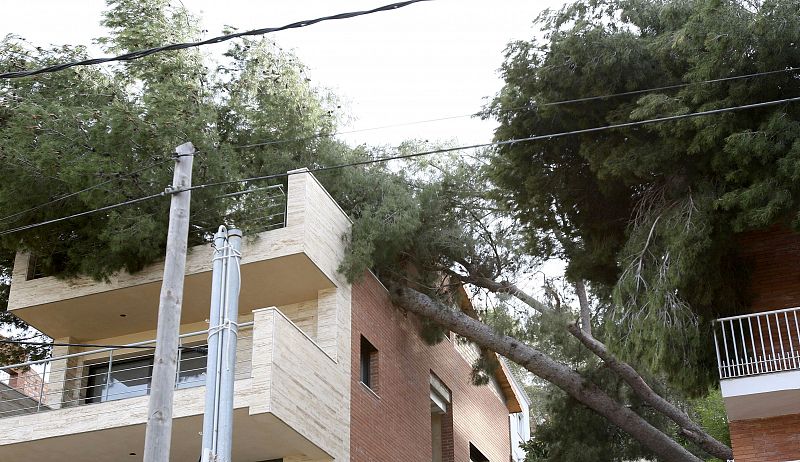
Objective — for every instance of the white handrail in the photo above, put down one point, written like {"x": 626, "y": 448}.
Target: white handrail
{"x": 106, "y": 350}
{"x": 757, "y": 343}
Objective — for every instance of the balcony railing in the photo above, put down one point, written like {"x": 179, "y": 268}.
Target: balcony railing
{"x": 758, "y": 343}
{"x": 114, "y": 373}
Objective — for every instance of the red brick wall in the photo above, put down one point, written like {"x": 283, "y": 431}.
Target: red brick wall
{"x": 776, "y": 439}
{"x": 395, "y": 424}
{"x": 775, "y": 284}
{"x": 775, "y": 256}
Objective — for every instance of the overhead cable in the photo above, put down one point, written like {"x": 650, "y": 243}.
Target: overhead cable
{"x": 411, "y": 155}
{"x": 87, "y": 189}
{"x": 222, "y": 38}
{"x": 522, "y": 108}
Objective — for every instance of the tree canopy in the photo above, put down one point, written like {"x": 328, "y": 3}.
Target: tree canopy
{"x": 646, "y": 215}
{"x": 65, "y": 131}
{"x": 649, "y": 214}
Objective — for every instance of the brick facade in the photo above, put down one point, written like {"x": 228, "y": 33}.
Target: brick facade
{"x": 776, "y": 439}
{"x": 394, "y": 424}
{"x": 774, "y": 256}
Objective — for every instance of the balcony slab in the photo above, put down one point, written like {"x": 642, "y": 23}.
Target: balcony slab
{"x": 762, "y": 396}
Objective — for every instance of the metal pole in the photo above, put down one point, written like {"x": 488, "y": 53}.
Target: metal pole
{"x": 212, "y": 359}
{"x": 230, "y": 332}
{"x": 159, "y": 412}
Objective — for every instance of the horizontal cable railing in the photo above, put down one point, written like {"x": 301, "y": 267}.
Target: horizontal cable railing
{"x": 109, "y": 374}
{"x": 758, "y": 343}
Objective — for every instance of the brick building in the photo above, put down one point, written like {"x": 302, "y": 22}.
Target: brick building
{"x": 325, "y": 370}
{"x": 417, "y": 396}
{"x": 759, "y": 353}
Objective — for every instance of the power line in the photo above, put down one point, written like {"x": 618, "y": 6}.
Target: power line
{"x": 513, "y": 141}
{"x": 88, "y": 345}
{"x": 222, "y": 38}
{"x": 669, "y": 87}
{"x": 409, "y": 156}
{"x": 519, "y": 108}
{"x": 88, "y": 212}
{"x": 87, "y": 189}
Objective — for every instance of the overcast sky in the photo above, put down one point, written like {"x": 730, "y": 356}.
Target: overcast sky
{"x": 425, "y": 61}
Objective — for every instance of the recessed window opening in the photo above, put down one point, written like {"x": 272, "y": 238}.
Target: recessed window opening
{"x": 369, "y": 364}
{"x": 441, "y": 420}
{"x": 475, "y": 455}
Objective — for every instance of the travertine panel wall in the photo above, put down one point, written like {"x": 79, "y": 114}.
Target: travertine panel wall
{"x": 326, "y": 227}
{"x": 65, "y": 383}
{"x": 294, "y": 379}
{"x": 304, "y": 315}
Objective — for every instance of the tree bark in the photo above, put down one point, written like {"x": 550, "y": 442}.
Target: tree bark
{"x": 626, "y": 372}
{"x": 583, "y": 301}
{"x": 504, "y": 287}
{"x": 689, "y": 428}
{"x": 547, "y": 368}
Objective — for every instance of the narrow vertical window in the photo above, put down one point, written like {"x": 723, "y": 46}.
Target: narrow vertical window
{"x": 441, "y": 421}
{"x": 369, "y": 364}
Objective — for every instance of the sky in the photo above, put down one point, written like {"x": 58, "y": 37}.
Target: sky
{"x": 426, "y": 61}
{"x": 430, "y": 60}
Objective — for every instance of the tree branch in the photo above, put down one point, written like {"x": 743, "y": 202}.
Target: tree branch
{"x": 586, "y": 310}
{"x": 626, "y": 372}
{"x": 504, "y": 287}
{"x": 547, "y": 368}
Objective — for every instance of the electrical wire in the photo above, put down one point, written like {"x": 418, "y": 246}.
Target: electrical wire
{"x": 222, "y": 38}
{"x": 521, "y": 108}
{"x": 87, "y": 189}
{"x": 88, "y": 212}
{"x": 87, "y": 345}
{"x": 408, "y": 156}
{"x": 507, "y": 142}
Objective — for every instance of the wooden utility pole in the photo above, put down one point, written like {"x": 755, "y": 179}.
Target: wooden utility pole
{"x": 159, "y": 413}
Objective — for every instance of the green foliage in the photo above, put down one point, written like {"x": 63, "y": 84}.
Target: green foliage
{"x": 558, "y": 438}
{"x": 64, "y": 131}
{"x": 649, "y": 214}
{"x": 710, "y": 413}
{"x": 568, "y": 430}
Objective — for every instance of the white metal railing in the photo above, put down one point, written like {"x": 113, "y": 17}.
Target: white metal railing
{"x": 109, "y": 374}
{"x": 758, "y": 343}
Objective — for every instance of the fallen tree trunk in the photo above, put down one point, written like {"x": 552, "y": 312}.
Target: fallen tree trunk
{"x": 692, "y": 431}
{"x": 547, "y": 368}
{"x": 627, "y": 373}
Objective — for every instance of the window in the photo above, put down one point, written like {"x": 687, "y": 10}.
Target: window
{"x": 441, "y": 420}
{"x": 193, "y": 369}
{"x": 126, "y": 379}
{"x": 475, "y": 455}
{"x": 129, "y": 378}
{"x": 369, "y": 364}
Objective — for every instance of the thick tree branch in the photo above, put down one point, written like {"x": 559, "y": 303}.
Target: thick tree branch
{"x": 626, "y": 372}
{"x": 586, "y": 310}
{"x": 547, "y": 368}
{"x": 694, "y": 432}
{"x": 504, "y": 287}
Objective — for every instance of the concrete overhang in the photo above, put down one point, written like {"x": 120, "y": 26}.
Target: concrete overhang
{"x": 106, "y": 439}
{"x": 276, "y": 271}
{"x": 762, "y": 396}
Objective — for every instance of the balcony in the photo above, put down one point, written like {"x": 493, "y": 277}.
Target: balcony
{"x": 758, "y": 359}
{"x": 281, "y": 266}
{"x": 290, "y": 400}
